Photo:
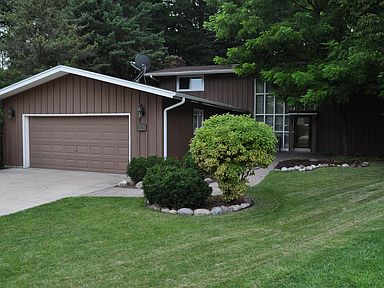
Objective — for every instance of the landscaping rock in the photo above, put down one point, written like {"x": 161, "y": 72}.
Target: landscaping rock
{"x": 284, "y": 169}
{"x": 201, "y": 212}
{"x": 123, "y": 184}
{"x": 234, "y": 208}
{"x": 173, "y": 211}
{"x": 208, "y": 180}
{"x": 244, "y": 205}
{"x": 296, "y": 167}
{"x": 139, "y": 185}
{"x": 155, "y": 207}
{"x": 225, "y": 209}
{"x": 214, "y": 185}
{"x": 364, "y": 164}
{"x": 165, "y": 210}
{"x": 216, "y": 211}
{"x": 302, "y": 169}
{"x": 345, "y": 165}
{"x": 216, "y": 191}
{"x": 185, "y": 211}
{"x": 248, "y": 199}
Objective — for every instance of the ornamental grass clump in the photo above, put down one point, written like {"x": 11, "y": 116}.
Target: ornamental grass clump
{"x": 229, "y": 147}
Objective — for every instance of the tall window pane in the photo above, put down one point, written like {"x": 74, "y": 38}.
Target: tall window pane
{"x": 260, "y": 118}
{"x": 279, "y": 106}
{"x": 279, "y": 123}
{"x": 259, "y": 87}
{"x": 260, "y": 104}
{"x": 286, "y": 141}
{"x": 269, "y": 120}
{"x": 270, "y": 104}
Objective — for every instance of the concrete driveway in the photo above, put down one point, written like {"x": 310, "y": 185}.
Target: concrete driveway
{"x": 21, "y": 189}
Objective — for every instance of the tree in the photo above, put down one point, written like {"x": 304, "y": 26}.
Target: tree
{"x": 230, "y": 147}
{"x": 185, "y": 34}
{"x": 313, "y": 51}
{"x": 113, "y": 32}
{"x": 35, "y": 36}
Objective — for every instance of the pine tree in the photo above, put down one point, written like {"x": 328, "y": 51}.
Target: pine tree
{"x": 36, "y": 35}
{"x": 113, "y": 32}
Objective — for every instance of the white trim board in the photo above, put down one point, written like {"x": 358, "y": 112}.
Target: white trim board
{"x": 62, "y": 70}
{"x": 25, "y": 126}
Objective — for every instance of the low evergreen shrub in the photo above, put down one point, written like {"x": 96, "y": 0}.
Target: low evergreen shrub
{"x": 175, "y": 186}
{"x": 139, "y": 166}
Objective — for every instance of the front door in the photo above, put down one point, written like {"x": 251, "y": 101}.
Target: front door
{"x": 302, "y": 132}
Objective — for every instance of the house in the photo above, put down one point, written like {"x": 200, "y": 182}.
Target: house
{"x": 300, "y": 129}
{"x": 68, "y": 118}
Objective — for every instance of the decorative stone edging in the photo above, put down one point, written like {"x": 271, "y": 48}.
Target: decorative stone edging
{"x": 303, "y": 168}
{"x": 218, "y": 210}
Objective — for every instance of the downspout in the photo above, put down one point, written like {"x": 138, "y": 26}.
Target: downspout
{"x": 165, "y": 128}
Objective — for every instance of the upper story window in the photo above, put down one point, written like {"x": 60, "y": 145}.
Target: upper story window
{"x": 195, "y": 83}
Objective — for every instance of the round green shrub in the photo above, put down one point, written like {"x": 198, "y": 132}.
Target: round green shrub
{"x": 139, "y": 166}
{"x": 175, "y": 187}
{"x": 229, "y": 147}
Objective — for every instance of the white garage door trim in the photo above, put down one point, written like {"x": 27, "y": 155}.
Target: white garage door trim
{"x": 25, "y": 123}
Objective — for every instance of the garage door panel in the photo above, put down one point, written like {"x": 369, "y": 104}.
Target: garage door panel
{"x": 80, "y": 143}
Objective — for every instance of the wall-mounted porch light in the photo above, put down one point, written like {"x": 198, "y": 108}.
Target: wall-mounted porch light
{"x": 11, "y": 113}
{"x": 140, "y": 111}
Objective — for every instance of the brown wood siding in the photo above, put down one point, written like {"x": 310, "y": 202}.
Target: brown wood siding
{"x": 365, "y": 121}
{"x": 180, "y": 126}
{"x": 72, "y": 94}
{"x": 223, "y": 88}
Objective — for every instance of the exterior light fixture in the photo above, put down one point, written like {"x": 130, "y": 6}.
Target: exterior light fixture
{"x": 11, "y": 113}
{"x": 140, "y": 111}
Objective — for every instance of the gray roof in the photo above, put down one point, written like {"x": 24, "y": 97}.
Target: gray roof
{"x": 193, "y": 70}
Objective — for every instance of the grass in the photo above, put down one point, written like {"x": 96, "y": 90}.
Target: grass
{"x": 323, "y": 228}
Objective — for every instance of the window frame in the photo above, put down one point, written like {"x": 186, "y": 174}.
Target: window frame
{"x": 193, "y": 117}
{"x": 190, "y": 77}
{"x": 265, "y": 94}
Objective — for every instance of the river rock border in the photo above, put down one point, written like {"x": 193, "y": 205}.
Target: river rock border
{"x": 303, "y": 168}
{"x": 215, "y": 211}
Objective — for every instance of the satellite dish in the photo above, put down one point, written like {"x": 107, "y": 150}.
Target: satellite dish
{"x": 142, "y": 63}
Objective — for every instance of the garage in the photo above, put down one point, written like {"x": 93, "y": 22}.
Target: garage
{"x": 85, "y": 143}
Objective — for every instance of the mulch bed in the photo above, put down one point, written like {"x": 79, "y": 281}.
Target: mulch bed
{"x": 216, "y": 201}
{"x": 309, "y": 162}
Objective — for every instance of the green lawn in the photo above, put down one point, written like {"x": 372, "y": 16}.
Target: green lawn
{"x": 323, "y": 228}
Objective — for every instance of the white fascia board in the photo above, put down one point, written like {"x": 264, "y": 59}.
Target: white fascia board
{"x": 189, "y": 73}
{"x": 61, "y": 70}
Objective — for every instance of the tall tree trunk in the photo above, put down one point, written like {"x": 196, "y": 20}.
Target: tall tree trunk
{"x": 344, "y": 128}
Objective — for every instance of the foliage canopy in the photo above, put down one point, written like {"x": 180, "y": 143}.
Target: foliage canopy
{"x": 313, "y": 51}
{"x": 229, "y": 147}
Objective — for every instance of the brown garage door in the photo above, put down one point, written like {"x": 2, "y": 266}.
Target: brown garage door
{"x": 85, "y": 143}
